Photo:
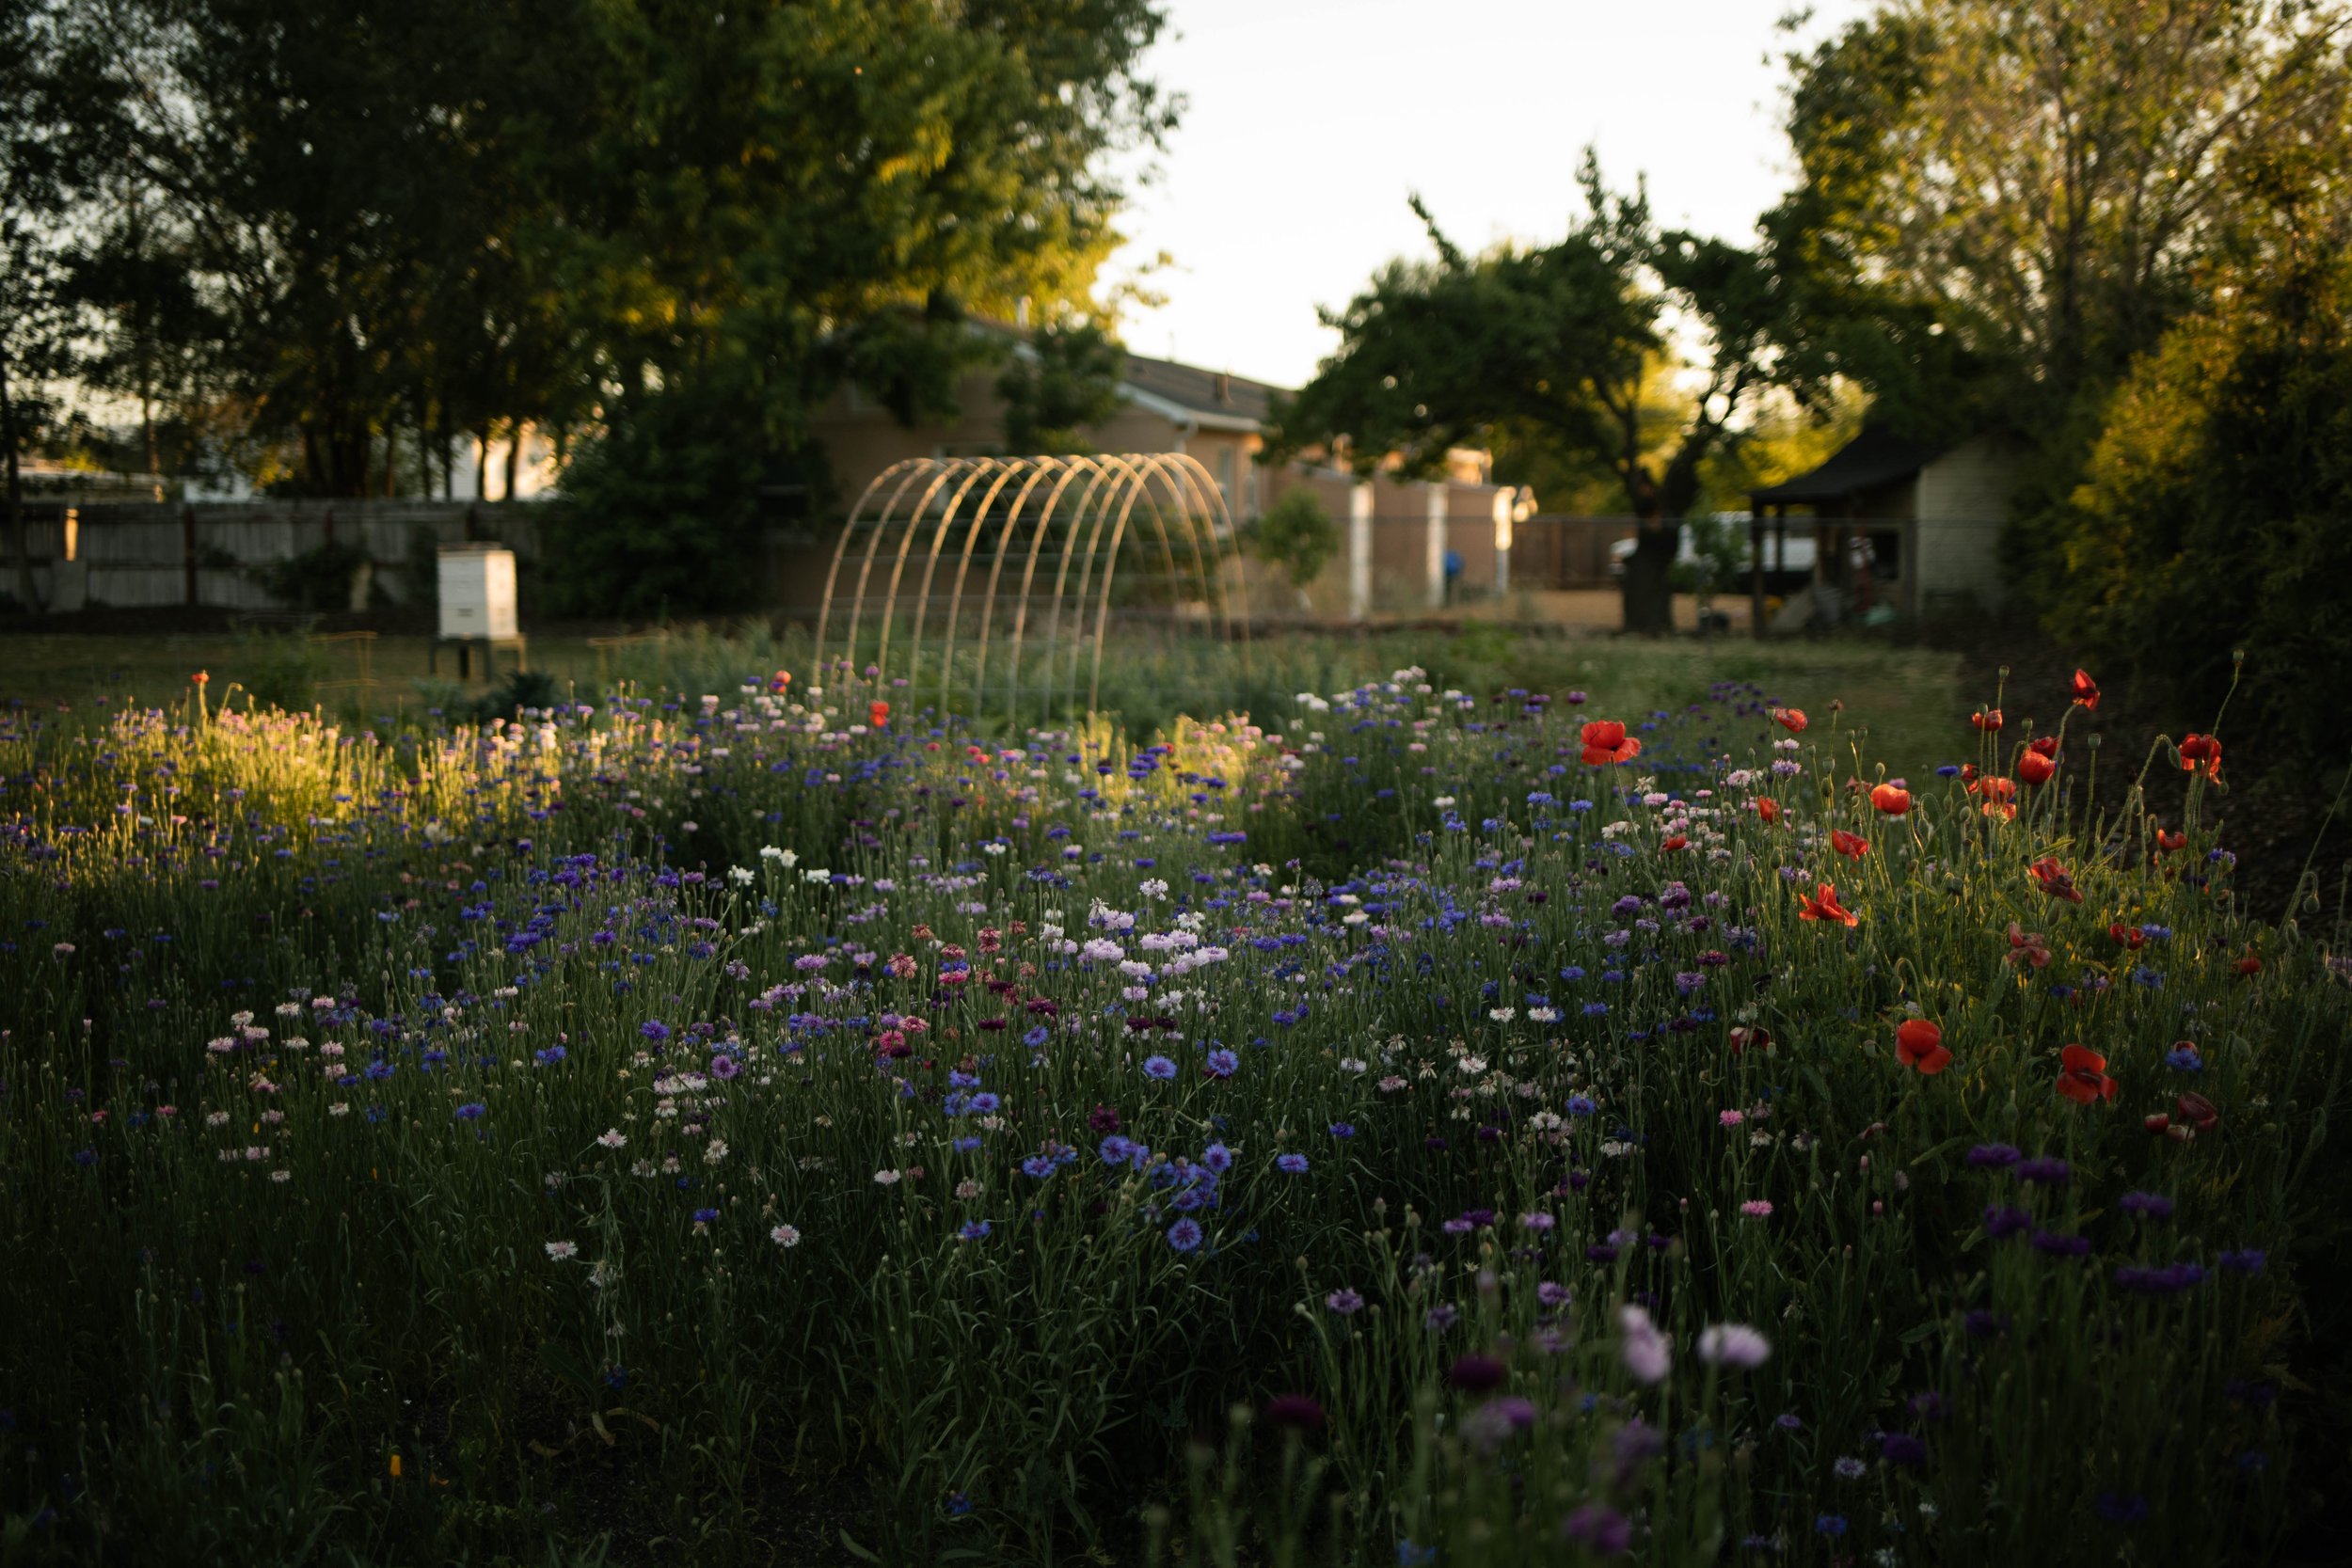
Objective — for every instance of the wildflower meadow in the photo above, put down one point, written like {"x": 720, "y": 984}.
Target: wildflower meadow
{"x": 784, "y": 1124}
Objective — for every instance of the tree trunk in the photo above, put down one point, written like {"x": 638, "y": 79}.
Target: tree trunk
{"x": 513, "y": 455}
{"x": 1649, "y": 577}
{"x": 17, "y": 540}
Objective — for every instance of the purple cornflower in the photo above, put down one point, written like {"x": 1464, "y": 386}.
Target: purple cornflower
{"x": 1344, "y": 1302}
{"x": 1159, "y": 1068}
{"x": 2002, "y": 1222}
{"x": 724, "y": 1068}
{"x": 1601, "y": 1529}
{"x": 2154, "y": 1206}
{"x": 1222, "y": 1064}
{"x": 2049, "y": 1169}
{"x": 1295, "y": 1165}
{"x": 1184, "y": 1235}
{"x": 1992, "y": 1156}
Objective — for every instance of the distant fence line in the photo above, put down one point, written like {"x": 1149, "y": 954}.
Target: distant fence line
{"x": 134, "y": 554}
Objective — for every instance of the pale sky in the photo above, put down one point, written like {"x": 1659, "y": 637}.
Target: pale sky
{"x": 1310, "y": 120}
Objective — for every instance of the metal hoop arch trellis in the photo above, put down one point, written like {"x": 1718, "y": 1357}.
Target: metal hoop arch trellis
{"x": 1033, "y": 502}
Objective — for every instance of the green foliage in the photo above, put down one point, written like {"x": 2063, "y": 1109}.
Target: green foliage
{"x": 1297, "y": 534}
{"x": 1066, "y": 381}
{"x": 280, "y": 670}
{"x": 317, "y": 580}
{"x": 2216, "y": 516}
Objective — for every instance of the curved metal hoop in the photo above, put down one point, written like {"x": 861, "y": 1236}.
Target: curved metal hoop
{"x": 1071, "y": 517}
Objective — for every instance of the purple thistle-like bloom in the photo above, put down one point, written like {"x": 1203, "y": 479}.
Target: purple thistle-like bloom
{"x": 2154, "y": 1206}
{"x": 2002, "y": 1222}
{"x": 2047, "y": 1171}
{"x": 1345, "y": 1301}
{"x": 2171, "y": 1279}
{"x": 1600, "y": 1530}
{"x": 1992, "y": 1156}
{"x": 1440, "y": 1317}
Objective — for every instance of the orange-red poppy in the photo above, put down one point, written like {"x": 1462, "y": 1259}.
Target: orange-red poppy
{"x": 2086, "y": 690}
{"x": 2045, "y": 746}
{"x": 878, "y": 714}
{"x": 1605, "y": 742}
{"x": 2083, "y": 1076}
{"x": 2026, "y": 947}
{"x": 1675, "y": 842}
{"x": 1999, "y": 794}
{"x": 2201, "y": 750}
{"x": 1892, "y": 799}
{"x": 2170, "y": 843}
{"x": 1791, "y": 718}
{"x": 780, "y": 679}
{"x": 2199, "y": 1112}
{"x": 1768, "y": 809}
{"x": 1853, "y": 845}
{"x": 2035, "y": 769}
{"x": 1986, "y": 719}
{"x": 2130, "y": 936}
{"x": 1920, "y": 1044}
{"x": 2054, "y": 879}
{"x": 1823, "y": 905}
{"x": 1744, "y": 1036}
{"x": 2250, "y": 964}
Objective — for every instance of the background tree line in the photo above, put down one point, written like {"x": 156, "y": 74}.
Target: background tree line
{"x": 2112, "y": 232}
{"x": 331, "y": 243}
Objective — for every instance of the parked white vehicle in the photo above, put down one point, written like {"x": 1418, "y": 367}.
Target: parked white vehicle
{"x": 1798, "y": 561}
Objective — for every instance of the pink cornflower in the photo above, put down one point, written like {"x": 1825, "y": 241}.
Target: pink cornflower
{"x": 1757, "y": 1207}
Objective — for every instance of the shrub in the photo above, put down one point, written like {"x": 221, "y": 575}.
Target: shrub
{"x": 1296, "y": 536}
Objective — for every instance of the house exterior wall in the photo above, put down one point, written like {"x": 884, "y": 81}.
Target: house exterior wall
{"x": 1963, "y": 500}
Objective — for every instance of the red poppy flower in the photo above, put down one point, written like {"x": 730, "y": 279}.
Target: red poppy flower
{"x": 1892, "y": 799}
{"x": 1605, "y": 742}
{"x": 1743, "y": 1037}
{"x": 2250, "y": 964}
{"x": 1853, "y": 846}
{"x": 1920, "y": 1044}
{"x": 1791, "y": 718}
{"x": 780, "y": 679}
{"x": 2086, "y": 690}
{"x": 878, "y": 714}
{"x": 2035, "y": 769}
{"x": 1768, "y": 809}
{"x": 2054, "y": 879}
{"x": 2170, "y": 843}
{"x": 2130, "y": 936}
{"x": 1823, "y": 905}
{"x": 2026, "y": 947}
{"x": 1999, "y": 794}
{"x": 2083, "y": 1076}
{"x": 2199, "y": 1112}
{"x": 2201, "y": 750}
{"x": 2046, "y": 746}
{"x": 1676, "y": 842}
{"x": 1986, "y": 719}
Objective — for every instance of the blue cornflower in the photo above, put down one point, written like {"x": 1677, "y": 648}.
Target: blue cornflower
{"x": 1829, "y": 1524}
{"x": 1992, "y": 1156}
{"x": 1184, "y": 1235}
{"x": 654, "y": 1029}
{"x": 1160, "y": 1068}
{"x": 1218, "y": 1158}
{"x": 1037, "y": 1165}
{"x": 1294, "y": 1163}
{"x": 1581, "y": 1105}
{"x": 1223, "y": 1064}
{"x": 984, "y": 1102}
{"x": 704, "y": 1216}
{"x": 1036, "y": 1037}
{"x": 473, "y": 1111}
{"x": 973, "y": 1230}
{"x": 2248, "y": 1261}
{"x": 1116, "y": 1149}
{"x": 1342, "y": 1129}
{"x": 2184, "y": 1057}
{"x": 967, "y": 1144}
{"x": 2154, "y": 1206}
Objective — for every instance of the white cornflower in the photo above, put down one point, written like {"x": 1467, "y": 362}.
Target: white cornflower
{"x": 561, "y": 1250}
{"x": 784, "y": 1235}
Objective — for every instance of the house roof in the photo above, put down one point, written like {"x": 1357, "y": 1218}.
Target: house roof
{"x": 1869, "y": 460}
{"x": 1198, "y": 391}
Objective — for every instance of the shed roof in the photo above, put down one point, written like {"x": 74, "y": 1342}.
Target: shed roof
{"x": 1202, "y": 391}
{"x": 1873, "y": 458}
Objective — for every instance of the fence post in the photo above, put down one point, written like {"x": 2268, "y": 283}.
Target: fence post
{"x": 1755, "y": 573}
{"x": 187, "y": 552}
{"x": 1359, "y": 551}
{"x": 1434, "y": 567}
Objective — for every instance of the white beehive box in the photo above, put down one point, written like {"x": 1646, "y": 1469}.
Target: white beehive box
{"x": 477, "y": 584}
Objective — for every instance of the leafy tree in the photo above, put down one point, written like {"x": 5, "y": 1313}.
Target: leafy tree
{"x": 55, "y": 101}
{"x": 1067, "y": 381}
{"x": 1296, "y": 536}
{"x": 2217, "y": 514}
{"x": 2012, "y": 198}
{"x": 1559, "y": 346}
